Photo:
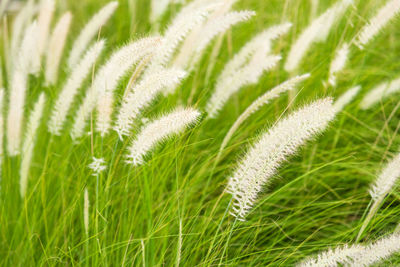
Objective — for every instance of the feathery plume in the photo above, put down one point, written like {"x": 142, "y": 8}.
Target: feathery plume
{"x": 158, "y": 130}
{"x": 380, "y": 92}
{"x": 187, "y": 19}
{"x": 356, "y": 255}
{"x": 89, "y": 31}
{"x": 259, "y": 102}
{"x": 380, "y": 188}
{"x": 29, "y": 142}
{"x": 377, "y": 23}
{"x": 249, "y": 74}
{"x": 56, "y": 47}
{"x": 86, "y": 205}
{"x": 261, "y": 41}
{"x": 273, "y": 148}
{"x": 70, "y": 89}
{"x": 193, "y": 49}
{"x": 338, "y": 63}
{"x": 44, "y": 20}
{"x": 332, "y": 16}
{"x": 187, "y": 49}
{"x": 19, "y": 83}
{"x": 221, "y": 24}
{"x": 112, "y": 71}
{"x": 158, "y": 8}
{"x": 346, "y": 98}
{"x": 386, "y": 180}
{"x": 97, "y": 165}
{"x": 142, "y": 95}
{"x": 315, "y": 32}
{"x": 22, "y": 19}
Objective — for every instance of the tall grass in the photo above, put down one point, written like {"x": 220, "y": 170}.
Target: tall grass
{"x": 72, "y": 192}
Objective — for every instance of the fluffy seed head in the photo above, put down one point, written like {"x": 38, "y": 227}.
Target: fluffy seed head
{"x": 29, "y": 142}
{"x": 356, "y": 254}
{"x": 379, "y": 21}
{"x": 21, "y": 21}
{"x": 273, "y": 148}
{"x": 112, "y": 71}
{"x": 142, "y": 94}
{"x": 184, "y": 22}
{"x": 219, "y": 25}
{"x": 56, "y": 47}
{"x": 346, "y": 98}
{"x": 338, "y": 63}
{"x": 19, "y": 83}
{"x": 387, "y": 179}
{"x": 45, "y": 16}
{"x": 380, "y": 92}
{"x": 263, "y": 100}
{"x": 70, "y": 89}
{"x": 158, "y": 130}
{"x": 97, "y": 165}
{"x": 248, "y": 74}
{"x": 262, "y": 41}
{"x": 315, "y": 32}
{"x": 89, "y": 31}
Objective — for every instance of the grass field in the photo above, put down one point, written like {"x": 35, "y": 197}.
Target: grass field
{"x": 173, "y": 209}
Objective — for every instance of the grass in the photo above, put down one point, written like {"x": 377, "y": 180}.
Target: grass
{"x": 317, "y": 200}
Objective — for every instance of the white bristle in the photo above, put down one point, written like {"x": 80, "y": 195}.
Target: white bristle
{"x": 56, "y": 47}
{"x": 264, "y": 158}
{"x": 158, "y": 130}
{"x": 107, "y": 78}
{"x": 89, "y": 31}
{"x": 377, "y": 23}
{"x": 29, "y": 142}
{"x": 69, "y": 91}
{"x": 142, "y": 94}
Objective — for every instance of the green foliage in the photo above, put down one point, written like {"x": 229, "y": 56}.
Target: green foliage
{"x": 317, "y": 202}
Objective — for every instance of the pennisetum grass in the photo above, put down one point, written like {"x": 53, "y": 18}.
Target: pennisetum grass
{"x": 174, "y": 212}
{"x": 356, "y": 255}
{"x": 109, "y": 75}
{"x": 158, "y": 130}
{"x": 273, "y": 148}
{"x": 55, "y": 48}
{"x": 141, "y": 95}
{"x": 258, "y": 103}
{"x": 249, "y": 74}
{"x": 29, "y": 142}
{"x": 22, "y": 20}
{"x": 338, "y": 63}
{"x": 18, "y": 87}
{"x": 380, "y": 92}
{"x": 195, "y": 44}
{"x": 44, "y": 20}
{"x": 346, "y": 98}
{"x": 317, "y": 31}
{"x": 69, "y": 91}
{"x": 380, "y": 188}
{"x": 376, "y": 23}
{"x": 89, "y": 32}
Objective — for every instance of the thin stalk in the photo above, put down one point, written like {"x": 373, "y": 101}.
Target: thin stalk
{"x": 374, "y": 208}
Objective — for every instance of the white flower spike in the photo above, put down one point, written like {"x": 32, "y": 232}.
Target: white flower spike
{"x": 264, "y": 158}
{"x": 158, "y": 130}
{"x": 89, "y": 31}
